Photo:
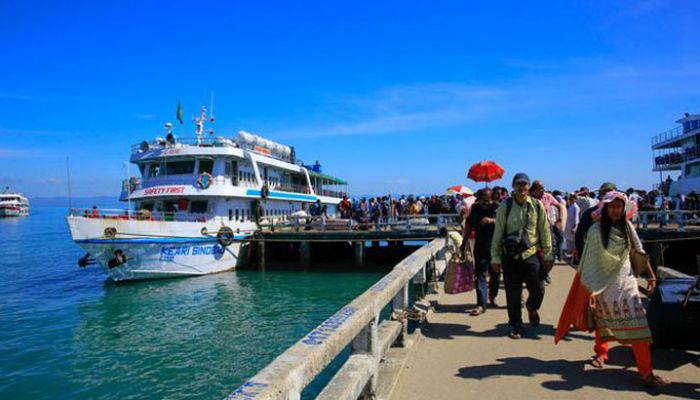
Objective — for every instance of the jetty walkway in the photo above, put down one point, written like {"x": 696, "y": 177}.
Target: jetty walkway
{"x": 457, "y": 356}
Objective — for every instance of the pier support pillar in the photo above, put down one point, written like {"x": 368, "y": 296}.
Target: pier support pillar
{"x": 305, "y": 254}
{"x": 359, "y": 252}
{"x": 261, "y": 256}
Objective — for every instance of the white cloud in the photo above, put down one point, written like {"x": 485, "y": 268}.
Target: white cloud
{"x": 406, "y": 108}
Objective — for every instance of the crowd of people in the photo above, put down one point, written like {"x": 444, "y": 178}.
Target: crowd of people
{"x": 519, "y": 233}
{"x": 388, "y": 208}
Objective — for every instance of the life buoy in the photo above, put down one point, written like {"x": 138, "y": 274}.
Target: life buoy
{"x": 110, "y": 232}
{"x": 225, "y": 236}
{"x": 204, "y": 180}
{"x": 133, "y": 183}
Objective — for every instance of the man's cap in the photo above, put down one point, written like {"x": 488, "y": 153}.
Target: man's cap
{"x": 521, "y": 177}
{"x": 608, "y": 186}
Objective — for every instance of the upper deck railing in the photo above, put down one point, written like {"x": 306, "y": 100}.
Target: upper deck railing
{"x": 667, "y": 135}
{"x": 673, "y": 159}
{"x": 207, "y": 142}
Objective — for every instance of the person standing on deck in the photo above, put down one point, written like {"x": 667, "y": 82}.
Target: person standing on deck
{"x": 604, "y": 295}
{"x": 482, "y": 220}
{"x": 521, "y": 227}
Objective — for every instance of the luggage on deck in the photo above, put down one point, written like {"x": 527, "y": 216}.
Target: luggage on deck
{"x": 674, "y": 325}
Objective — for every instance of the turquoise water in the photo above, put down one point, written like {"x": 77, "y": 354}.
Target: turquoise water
{"x": 68, "y": 333}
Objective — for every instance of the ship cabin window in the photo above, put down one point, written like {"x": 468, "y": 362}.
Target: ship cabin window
{"x": 170, "y": 206}
{"x": 230, "y": 214}
{"x": 179, "y": 167}
{"x": 146, "y": 206}
{"x": 206, "y": 166}
{"x": 153, "y": 170}
{"x": 142, "y": 169}
{"x": 198, "y": 207}
{"x": 237, "y": 214}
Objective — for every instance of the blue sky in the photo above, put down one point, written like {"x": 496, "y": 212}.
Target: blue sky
{"x": 398, "y": 96}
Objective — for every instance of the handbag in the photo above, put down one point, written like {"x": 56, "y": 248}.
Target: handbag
{"x": 639, "y": 261}
{"x": 459, "y": 277}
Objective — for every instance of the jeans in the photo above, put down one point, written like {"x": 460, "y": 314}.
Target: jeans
{"x": 558, "y": 244}
{"x": 515, "y": 272}
{"x": 483, "y": 271}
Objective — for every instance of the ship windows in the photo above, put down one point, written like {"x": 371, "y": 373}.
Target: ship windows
{"x": 198, "y": 207}
{"x": 170, "y": 206}
{"x": 153, "y": 170}
{"x": 179, "y": 167}
{"x": 206, "y": 166}
{"x": 237, "y": 211}
{"x": 146, "y": 206}
{"x": 230, "y": 214}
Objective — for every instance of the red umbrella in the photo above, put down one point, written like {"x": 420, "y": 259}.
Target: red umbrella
{"x": 485, "y": 171}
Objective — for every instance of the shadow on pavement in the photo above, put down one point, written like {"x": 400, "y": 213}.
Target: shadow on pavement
{"x": 663, "y": 359}
{"x": 574, "y": 376}
{"x": 437, "y": 330}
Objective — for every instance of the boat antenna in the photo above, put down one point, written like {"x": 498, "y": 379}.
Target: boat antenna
{"x": 70, "y": 196}
{"x": 211, "y": 108}
{"x": 199, "y": 122}
{"x": 211, "y": 113}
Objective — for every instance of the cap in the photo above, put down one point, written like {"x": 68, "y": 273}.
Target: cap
{"x": 521, "y": 177}
{"x": 608, "y": 186}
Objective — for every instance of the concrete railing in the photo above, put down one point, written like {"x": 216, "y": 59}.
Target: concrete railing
{"x": 357, "y": 323}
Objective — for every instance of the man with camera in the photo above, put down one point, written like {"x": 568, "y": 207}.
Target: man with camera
{"x": 522, "y": 248}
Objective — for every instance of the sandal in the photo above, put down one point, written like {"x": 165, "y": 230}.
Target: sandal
{"x": 516, "y": 333}
{"x": 598, "y": 362}
{"x": 655, "y": 381}
{"x": 477, "y": 311}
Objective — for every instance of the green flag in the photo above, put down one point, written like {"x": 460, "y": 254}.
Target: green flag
{"x": 179, "y": 112}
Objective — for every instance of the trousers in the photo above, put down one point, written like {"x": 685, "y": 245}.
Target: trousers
{"x": 484, "y": 272}
{"x": 642, "y": 354}
{"x": 515, "y": 273}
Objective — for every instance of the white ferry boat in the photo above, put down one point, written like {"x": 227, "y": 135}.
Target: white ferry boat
{"x": 678, "y": 150}
{"x": 13, "y": 204}
{"x": 194, "y": 201}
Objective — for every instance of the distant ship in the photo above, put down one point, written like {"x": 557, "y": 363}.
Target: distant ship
{"x": 13, "y": 204}
{"x": 193, "y": 202}
{"x": 678, "y": 149}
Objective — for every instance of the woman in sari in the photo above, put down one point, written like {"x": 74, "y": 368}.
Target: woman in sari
{"x": 604, "y": 296}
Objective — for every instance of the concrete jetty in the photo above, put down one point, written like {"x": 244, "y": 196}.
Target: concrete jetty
{"x": 457, "y": 356}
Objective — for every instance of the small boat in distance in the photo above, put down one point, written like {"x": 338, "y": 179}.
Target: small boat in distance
{"x": 194, "y": 201}
{"x": 13, "y": 204}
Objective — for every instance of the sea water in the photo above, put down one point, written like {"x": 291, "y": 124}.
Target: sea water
{"x": 69, "y": 333}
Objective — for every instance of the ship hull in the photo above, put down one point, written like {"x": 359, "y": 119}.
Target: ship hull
{"x": 125, "y": 260}
{"x": 155, "y": 249}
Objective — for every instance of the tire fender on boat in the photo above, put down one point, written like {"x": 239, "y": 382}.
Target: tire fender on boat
{"x": 225, "y": 236}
